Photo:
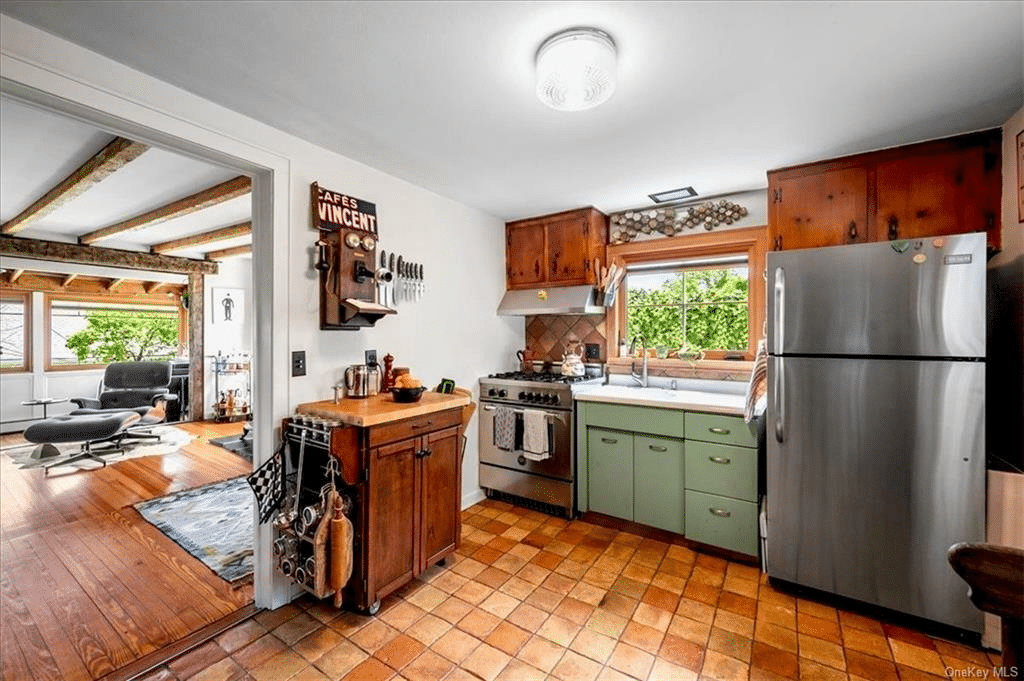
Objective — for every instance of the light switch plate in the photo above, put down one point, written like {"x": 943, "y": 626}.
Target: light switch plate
{"x": 370, "y": 357}
{"x": 298, "y": 363}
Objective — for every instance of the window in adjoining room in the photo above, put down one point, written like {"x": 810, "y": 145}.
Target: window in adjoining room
{"x": 85, "y": 333}
{"x": 15, "y": 330}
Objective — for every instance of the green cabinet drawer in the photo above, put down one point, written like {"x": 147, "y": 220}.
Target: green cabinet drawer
{"x": 721, "y": 521}
{"x": 610, "y": 472}
{"x": 726, "y": 430}
{"x": 721, "y": 469}
{"x": 652, "y": 420}
{"x": 658, "y": 482}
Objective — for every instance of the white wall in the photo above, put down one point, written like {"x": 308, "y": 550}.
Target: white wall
{"x": 228, "y": 339}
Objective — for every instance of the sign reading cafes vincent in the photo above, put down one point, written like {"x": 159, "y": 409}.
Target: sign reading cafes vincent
{"x": 333, "y": 212}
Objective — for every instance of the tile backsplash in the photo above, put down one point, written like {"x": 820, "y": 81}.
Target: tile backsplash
{"x": 547, "y": 335}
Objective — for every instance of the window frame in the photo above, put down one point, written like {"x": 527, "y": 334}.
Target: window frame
{"x": 751, "y": 242}
{"x": 49, "y": 298}
{"x": 25, "y": 298}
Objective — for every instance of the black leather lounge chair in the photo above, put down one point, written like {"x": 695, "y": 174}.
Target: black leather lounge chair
{"x": 141, "y": 387}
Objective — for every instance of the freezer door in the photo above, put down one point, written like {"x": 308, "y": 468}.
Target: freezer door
{"x": 920, "y": 298}
{"x": 875, "y": 468}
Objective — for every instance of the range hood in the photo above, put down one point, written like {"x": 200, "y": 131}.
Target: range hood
{"x": 555, "y": 300}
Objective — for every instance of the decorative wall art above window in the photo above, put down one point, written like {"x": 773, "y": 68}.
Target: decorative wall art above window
{"x": 669, "y": 221}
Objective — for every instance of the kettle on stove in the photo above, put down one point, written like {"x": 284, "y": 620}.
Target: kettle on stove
{"x": 362, "y": 380}
{"x": 572, "y": 360}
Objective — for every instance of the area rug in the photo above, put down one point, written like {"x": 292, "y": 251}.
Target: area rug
{"x": 236, "y": 445}
{"x": 213, "y": 523}
{"x": 171, "y": 440}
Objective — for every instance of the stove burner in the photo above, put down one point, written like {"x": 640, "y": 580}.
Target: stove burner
{"x": 539, "y": 377}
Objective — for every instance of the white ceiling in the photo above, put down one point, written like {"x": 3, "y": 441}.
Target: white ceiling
{"x": 710, "y": 94}
{"x": 38, "y": 149}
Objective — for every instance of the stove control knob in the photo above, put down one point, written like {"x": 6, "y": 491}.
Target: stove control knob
{"x": 492, "y": 392}
{"x": 522, "y": 396}
{"x": 554, "y": 399}
{"x": 530, "y": 397}
{"x": 546, "y": 398}
{"x": 502, "y": 393}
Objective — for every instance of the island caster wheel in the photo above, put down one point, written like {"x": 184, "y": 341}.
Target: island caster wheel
{"x": 373, "y": 608}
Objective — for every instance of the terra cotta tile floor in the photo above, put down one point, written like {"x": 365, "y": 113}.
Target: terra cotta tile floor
{"x": 529, "y": 596}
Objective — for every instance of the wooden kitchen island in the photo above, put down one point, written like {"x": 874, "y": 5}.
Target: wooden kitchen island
{"x": 402, "y": 468}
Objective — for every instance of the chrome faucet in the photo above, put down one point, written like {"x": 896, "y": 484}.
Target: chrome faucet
{"x": 640, "y": 378}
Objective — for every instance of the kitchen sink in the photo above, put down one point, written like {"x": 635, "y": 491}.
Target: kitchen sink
{"x": 730, "y": 402}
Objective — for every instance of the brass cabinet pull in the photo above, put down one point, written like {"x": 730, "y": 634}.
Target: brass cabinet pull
{"x": 609, "y": 441}
{"x": 654, "y": 448}
{"x": 719, "y": 431}
{"x": 853, "y": 230}
{"x": 719, "y": 459}
{"x": 720, "y": 512}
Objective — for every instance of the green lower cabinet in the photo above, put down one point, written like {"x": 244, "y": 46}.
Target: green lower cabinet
{"x": 658, "y": 482}
{"x": 610, "y": 472}
{"x": 721, "y": 521}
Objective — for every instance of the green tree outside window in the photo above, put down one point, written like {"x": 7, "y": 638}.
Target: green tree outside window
{"x": 689, "y": 310}
{"x": 125, "y": 336}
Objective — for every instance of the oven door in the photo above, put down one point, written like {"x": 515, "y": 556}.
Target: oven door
{"x": 557, "y": 465}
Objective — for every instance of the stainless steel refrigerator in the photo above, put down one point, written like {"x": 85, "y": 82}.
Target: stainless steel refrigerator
{"x": 876, "y": 420}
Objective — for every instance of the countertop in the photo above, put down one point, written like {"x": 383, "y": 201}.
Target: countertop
{"x": 379, "y": 409}
{"x": 731, "y": 403}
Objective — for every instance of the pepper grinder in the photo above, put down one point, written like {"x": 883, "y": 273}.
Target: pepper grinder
{"x": 388, "y": 379}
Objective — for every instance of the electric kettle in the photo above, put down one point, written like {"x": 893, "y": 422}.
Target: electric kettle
{"x": 362, "y": 380}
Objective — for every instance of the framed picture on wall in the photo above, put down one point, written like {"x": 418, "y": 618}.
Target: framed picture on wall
{"x": 228, "y": 305}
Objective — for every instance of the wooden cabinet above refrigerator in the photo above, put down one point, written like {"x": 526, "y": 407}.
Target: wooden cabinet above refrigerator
{"x": 555, "y": 250}
{"x": 940, "y": 187}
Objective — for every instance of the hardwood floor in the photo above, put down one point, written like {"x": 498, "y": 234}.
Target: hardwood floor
{"x": 87, "y": 585}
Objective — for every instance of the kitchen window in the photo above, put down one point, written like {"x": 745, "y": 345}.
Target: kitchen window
{"x": 696, "y": 299}
{"x": 15, "y": 332}
{"x": 84, "y": 333}
{"x": 684, "y": 308}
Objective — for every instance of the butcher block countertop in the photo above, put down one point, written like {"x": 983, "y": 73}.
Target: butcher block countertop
{"x": 380, "y": 409}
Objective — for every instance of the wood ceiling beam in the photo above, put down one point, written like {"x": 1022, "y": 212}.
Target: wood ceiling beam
{"x": 67, "y": 280}
{"x": 15, "y": 276}
{"x": 222, "y": 234}
{"x": 109, "y": 160}
{"x": 114, "y": 283}
{"x": 245, "y": 249}
{"x": 153, "y": 286}
{"x": 225, "y": 191}
{"x": 49, "y": 282}
{"x": 38, "y": 249}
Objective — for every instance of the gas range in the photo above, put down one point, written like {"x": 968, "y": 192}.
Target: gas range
{"x": 550, "y": 390}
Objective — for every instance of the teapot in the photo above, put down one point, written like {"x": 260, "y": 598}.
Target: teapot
{"x": 572, "y": 360}
{"x": 525, "y": 358}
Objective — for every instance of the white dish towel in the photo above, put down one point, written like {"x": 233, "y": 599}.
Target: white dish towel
{"x": 535, "y": 435}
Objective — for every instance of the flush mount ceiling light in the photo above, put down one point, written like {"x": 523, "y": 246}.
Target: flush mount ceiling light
{"x": 673, "y": 195}
{"x": 576, "y": 69}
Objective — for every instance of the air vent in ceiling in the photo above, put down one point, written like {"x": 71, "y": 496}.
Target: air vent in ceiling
{"x": 680, "y": 194}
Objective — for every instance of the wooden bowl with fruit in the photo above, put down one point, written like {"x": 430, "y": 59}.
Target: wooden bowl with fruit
{"x": 407, "y": 389}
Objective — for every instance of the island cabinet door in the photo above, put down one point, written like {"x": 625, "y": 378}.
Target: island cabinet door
{"x": 439, "y": 493}
{"x": 392, "y": 517}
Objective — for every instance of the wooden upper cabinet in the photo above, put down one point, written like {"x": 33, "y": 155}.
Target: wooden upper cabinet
{"x": 946, "y": 186}
{"x": 826, "y": 208}
{"x": 947, "y": 192}
{"x": 524, "y": 255}
{"x": 555, "y": 250}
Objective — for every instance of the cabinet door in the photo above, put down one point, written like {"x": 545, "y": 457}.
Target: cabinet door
{"x": 827, "y": 208}
{"x": 439, "y": 494}
{"x": 658, "y": 482}
{"x": 936, "y": 194}
{"x": 610, "y": 455}
{"x": 524, "y": 255}
{"x": 392, "y": 512}
{"x": 568, "y": 252}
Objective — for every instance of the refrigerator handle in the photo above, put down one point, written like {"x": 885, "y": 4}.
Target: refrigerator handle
{"x": 779, "y": 387}
{"x": 780, "y": 309}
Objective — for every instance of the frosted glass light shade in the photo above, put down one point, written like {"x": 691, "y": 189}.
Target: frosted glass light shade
{"x": 576, "y": 69}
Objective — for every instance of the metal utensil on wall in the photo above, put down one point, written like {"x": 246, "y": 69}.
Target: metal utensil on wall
{"x": 391, "y": 286}
{"x": 383, "y": 285}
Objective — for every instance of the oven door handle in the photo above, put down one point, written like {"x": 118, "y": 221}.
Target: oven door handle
{"x": 550, "y": 417}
